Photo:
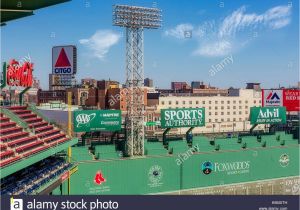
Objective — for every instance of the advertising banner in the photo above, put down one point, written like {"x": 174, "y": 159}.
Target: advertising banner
{"x": 64, "y": 60}
{"x": 272, "y": 98}
{"x": 291, "y": 100}
{"x": 97, "y": 120}
{"x": 187, "y": 117}
{"x": 267, "y": 115}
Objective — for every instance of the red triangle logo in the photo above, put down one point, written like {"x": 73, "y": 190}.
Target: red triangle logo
{"x": 62, "y": 60}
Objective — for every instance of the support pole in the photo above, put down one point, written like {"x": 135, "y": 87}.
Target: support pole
{"x": 187, "y": 135}
{"x": 165, "y": 136}
{"x": 4, "y": 76}
{"x": 22, "y": 94}
{"x": 252, "y": 128}
{"x": 69, "y": 134}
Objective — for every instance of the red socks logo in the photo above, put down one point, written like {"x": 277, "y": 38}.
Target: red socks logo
{"x": 99, "y": 179}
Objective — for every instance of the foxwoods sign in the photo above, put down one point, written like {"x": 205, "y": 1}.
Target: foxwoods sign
{"x": 230, "y": 168}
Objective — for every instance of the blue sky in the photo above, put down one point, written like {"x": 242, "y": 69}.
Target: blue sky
{"x": 261, "y": 37}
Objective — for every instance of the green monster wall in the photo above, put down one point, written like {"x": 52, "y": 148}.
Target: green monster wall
{"x": 151, "y": 175}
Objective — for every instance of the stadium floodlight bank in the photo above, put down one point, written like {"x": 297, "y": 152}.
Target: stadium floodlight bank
{"x": 135, "y": 20}
{"x": 136, "y": 17}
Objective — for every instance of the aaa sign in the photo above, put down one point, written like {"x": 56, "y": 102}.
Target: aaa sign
{"x": 97, "y": 120}
{"x": 174, "y": 118}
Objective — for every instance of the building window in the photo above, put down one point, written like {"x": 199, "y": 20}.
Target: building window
{"x": 240, "y": 112}
{"x": 183, "y": 102}
{"x": 162, "y": 103}
{"x": 240, "y": 119}
{"x": 209, "y": 113}
{"x": 233, "y": 119}
{"x": 222, "y": 120}
{"x": 216, "y": 108}
{"x": 228, "y": 113}
{"x": 260, "y": 101}
{"x": 191, "y": 102}
{"x": 222, "y": 113}
{"x": 222, "y": 102}
{"x": 209, "y": 120}
{"x": 216, "y": 113}
{"x": 234, "y": 107}
{"x": 203, "y": 102}
{"x": 209, "y": 108}
{"x": 246, "y": 102}
{"x": 228, "y": 107}
{"x": 246, "y": 112}
{"x": 209, "y": 102}
{"x": 240, "y": 107}
{"x": 197, "y": 102}
{"x": 228, "y": 119}
{"x": 254, "y": 101}
{"x": 216, "y": 120}
{"x": 228, "y": 102}
{"x": 234, "y": 102}
{"x": 176, "y": 102}
{"x": 216, "y": 102}
{"x": 240, "y": 102}
{"x": 234, "y": 113}
{"x": 246, "y": 107}
{"x": 170, "y": 102}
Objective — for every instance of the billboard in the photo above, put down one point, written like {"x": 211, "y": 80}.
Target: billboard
{"x": 97, "y": 120}
{"x": 186, "y": 117}
{"x": 18, "y": 74}
{"x": 64, "y": 60}
{"x": 272, "y": 98}
{"x": 60, "y": 79}
{"x": 291, "y": 100}
{"x": 282, "y": 97}
{"x": 267, "y": 115}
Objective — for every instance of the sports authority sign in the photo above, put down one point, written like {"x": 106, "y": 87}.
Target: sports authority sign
{"x": 97, "y": 120}
{"x": 190, "y": 117}
{"x": 64, "y": 60}
{"x": 282, "y": 97}
{"x": 267, "y": 115}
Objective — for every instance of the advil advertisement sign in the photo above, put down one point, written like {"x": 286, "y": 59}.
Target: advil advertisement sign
{"x": 64, "y": 60}
{"x": 291, "y": 100}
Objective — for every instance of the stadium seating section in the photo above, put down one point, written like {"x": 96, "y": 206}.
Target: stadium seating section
{"x": 29, "y": 180}
{"x": 17, "y": 143}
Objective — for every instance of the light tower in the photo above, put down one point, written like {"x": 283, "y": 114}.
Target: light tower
{"x": 135, "y": 19}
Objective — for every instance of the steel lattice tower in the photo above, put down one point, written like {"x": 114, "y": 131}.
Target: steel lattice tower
{"x": 135, "y": 19}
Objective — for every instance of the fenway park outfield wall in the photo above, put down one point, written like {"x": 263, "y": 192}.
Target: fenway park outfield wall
{"x": 168, "y": 174}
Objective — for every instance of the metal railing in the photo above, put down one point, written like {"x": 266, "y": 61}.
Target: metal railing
{"x": 15, "y": 118}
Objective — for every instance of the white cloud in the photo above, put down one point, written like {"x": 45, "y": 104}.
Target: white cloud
{"x": 275, "y": 18}
{"x": 225, "y": 37}
{"x": 179, "y": 30}
{"x": 220, "y": 48}
{"x": 100, "y": 42}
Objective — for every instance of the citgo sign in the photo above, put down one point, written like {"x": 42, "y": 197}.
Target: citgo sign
{"x": 97, "y": 120}
{"x": 267, "y": 115}
{"x": 190, "y": 117}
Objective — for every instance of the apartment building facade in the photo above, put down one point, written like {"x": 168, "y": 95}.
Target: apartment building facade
{"x": 222, "y": 113}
